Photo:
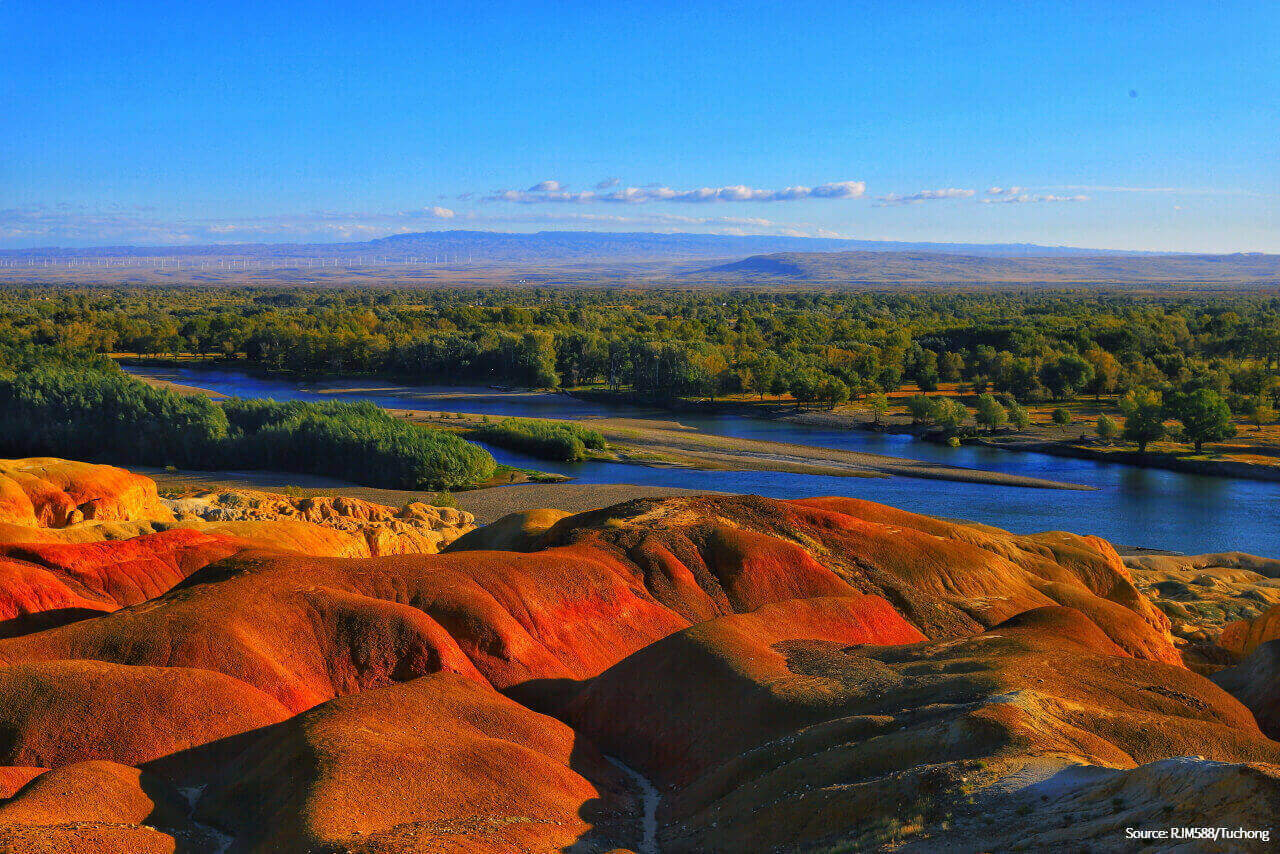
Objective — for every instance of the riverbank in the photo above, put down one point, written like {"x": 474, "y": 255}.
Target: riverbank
{"x": 653, "y": 442}
{"x": 1170, "y": 460}
{"x": 1250, "y": 456}
{"x": 661, "y": 443}
{"x": 487, "y": 504}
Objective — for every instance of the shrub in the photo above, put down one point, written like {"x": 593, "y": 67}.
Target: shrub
{"x": 552, "y": 440}
{"x": 1018, "y": 416}
{"x": 949, "y": 413}
{"x": 1108, "y": 430}
{"x": 921, "y": 408}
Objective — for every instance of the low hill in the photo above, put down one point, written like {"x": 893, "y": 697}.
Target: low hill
{"x": 834, "y": 268}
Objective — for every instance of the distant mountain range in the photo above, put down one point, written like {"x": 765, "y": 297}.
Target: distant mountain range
{"x": 586, "y": 257}
{"x": 549, "y": 246}
{"x": 911, "y": 267}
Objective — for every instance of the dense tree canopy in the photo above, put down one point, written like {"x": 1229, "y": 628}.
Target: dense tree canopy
{"x": 669, "y": 346}
{"x": 666, "y": 344}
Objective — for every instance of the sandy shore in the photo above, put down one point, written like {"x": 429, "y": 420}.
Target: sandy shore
{"x": 657, "y": 442}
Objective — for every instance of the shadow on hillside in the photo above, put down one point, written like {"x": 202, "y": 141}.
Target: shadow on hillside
{"x": 54, "y": 618}
{"x": 219, "y": 808}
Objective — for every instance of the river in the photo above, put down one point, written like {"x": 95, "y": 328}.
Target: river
{"x": 1135, "y": 506}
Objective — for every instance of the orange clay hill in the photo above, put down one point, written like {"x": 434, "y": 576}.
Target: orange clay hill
{"x": 708, "y": 673}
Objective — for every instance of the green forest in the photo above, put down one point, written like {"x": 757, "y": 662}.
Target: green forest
{"x": 1197, "y": 356}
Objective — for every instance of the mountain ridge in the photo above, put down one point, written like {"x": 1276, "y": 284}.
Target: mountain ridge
{"x": 561, "y": 245}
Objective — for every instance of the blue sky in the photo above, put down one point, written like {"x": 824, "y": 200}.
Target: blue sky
{"x": 1117, "y": 124}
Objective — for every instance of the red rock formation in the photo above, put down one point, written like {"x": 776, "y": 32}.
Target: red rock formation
{"x": 947, "y": 579}
{"x": 440, "y": 763}
{"x": 825, "y": 673}
{"x": 54, "y": 713}
{"x": 68, "y": 581}
{"x": 695, "y": 698}
{"x": 1242, "y": 637}
{"x": 759, "y": 743}
{"x": 97, "y": 808}
{"x": 53, "y": 493}
{"x": 14, "y": 777}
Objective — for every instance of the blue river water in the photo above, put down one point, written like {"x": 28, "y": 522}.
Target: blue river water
{"x": 1130, "y": 505}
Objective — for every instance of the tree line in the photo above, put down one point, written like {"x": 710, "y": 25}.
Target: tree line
{"x": 818, "y": 348}
{"x": 107, "y": 416}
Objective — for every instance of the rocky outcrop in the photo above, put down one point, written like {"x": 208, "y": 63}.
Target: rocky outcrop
{"x": 45, "y": 492}
{"x": 1255, "y": 680}
{"x": 52, "y": 583}
{"x": 440, "y": 763}
{"x": 515, "y": 532}
{"x": 77, "y": 539}
{"x": 1202, "y": 594}
{"x": 1244, "y": 636}
{"x": 812, "y": 743}
{"x": 368, "y": 529}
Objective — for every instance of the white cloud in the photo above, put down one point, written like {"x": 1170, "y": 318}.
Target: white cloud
{"x": 550, "y": 192}
{"x": 1005, "y": 191}
{"x": 894, "y": 199}
{"x": 1025, "y": 198}
{"x": 607, "y": 183}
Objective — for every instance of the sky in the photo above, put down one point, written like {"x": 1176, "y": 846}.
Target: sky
{"x": 1120, "y": 125}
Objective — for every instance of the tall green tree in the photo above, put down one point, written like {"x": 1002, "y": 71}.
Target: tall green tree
{"x": 1066, "y": 375}
{"x": 990, "y": 414}
{"x": 1144, "y": 417}
{"x": 1205, "y": 417}
{"x": 763, "y": 372}
{"x": 879, "y": 405}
